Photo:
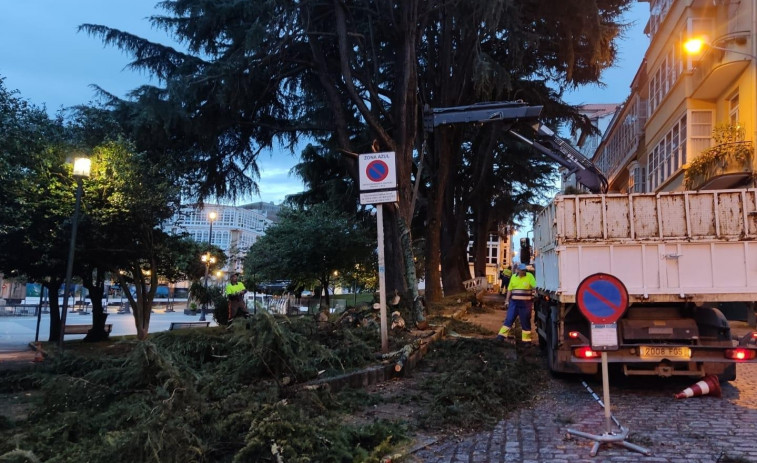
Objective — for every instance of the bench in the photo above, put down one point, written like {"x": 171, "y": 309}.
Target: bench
{"x": 18, "y": 309}
{"x": 84, "y": 329}
{"x": 183, "y": 325}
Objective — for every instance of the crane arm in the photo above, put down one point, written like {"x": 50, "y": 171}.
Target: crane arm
{"x": 545, "y": 140}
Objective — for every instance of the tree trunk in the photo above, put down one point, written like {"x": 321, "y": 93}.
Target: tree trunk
{"x": 327, "y": 304}
{"x": 141, "y": 302}
{"x": 95, "y": 284}
{"x": 454, "y": 241}
{"x": 454, "y": 247}
{"x": 480, "y": 196}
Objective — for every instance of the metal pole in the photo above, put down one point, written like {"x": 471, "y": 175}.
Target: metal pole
{"x": 207, "y": 266}
{"x": 204, "y": 302}
{"x": 39, "y": 313}
{"x": 70, "y": 262}
{"x": 606, "y": 393}
{"x": 382, "y": 277}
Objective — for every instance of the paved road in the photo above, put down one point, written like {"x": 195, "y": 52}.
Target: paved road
{"x": 695, "y": 430}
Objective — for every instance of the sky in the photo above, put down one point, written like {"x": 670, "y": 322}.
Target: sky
{"x": 51, "y": 64}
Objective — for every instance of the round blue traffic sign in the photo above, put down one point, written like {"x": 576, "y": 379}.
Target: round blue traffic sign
{"x": 602, "y": 298}
{"x": 377, "y": 170}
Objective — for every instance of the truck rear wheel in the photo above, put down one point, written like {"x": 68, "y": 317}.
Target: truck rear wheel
{"x": 729, "y": 374}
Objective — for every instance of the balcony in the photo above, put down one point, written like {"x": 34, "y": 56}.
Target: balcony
{"x": 727, "y": 165}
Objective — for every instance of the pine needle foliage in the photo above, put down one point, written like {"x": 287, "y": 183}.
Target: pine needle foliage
{"x": 200, "y": 395}
{"x": 475, "y": 384}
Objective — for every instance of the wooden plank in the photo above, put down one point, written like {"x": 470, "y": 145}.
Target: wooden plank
{"x": 84, "y": 329}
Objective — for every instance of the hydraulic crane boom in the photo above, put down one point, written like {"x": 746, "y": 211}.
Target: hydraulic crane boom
{"x": 545, "y": 140}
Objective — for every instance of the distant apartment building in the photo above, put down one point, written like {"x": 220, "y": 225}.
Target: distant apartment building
{"x": 234, "y": 228}
{"x": 691, "y": 118}
{"x": 499, "y": 251}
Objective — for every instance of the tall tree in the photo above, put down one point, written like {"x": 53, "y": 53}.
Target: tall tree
{"x": 36, "y": 197}
{"x": 128, "y": 198}
{"x": 354, "y": 74}
{"x": 486, "y": 50}
{"x": 311, "y": 244}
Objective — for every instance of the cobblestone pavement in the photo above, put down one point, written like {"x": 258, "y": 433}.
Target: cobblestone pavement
{"x": 695, "y": 430}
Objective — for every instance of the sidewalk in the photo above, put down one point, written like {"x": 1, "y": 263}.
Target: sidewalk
{"x": 17, "y": 334}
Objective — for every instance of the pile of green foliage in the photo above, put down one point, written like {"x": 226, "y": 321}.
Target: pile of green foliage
{"x": 199, "y": 395}
{"x": 237, "y": 395}
{"x": 475, "y": 383}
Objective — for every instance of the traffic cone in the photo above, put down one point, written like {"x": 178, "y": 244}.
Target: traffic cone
{"x": 709, "y": 385}
{"x": 38, "y": 356}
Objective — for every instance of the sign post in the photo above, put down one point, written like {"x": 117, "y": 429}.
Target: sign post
{"x": 378, "y": 185}
{"x": 603, "y": 299}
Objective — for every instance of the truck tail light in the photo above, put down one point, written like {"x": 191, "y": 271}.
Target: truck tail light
{"x": 585, "y": 352}
{"x": 740, "y": 353}
{"x": 578, "y": 336}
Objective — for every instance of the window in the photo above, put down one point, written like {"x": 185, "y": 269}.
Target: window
{"x": 733, "y": 109}
{"x": 701, "y": 131}
{"x": 492, "y": 250}
{"x": 669, "y": 154}
{"x": 665, "y": 77}
{"x": 636, "y": 178}
{"x": 658, "y": 9}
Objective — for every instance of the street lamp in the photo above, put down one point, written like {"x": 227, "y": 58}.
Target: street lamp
{"x": 81, "y": 170}
{"x": 207, "y": 259}
{"x": 694, "y": 47}
{"x": 212, "y": 216}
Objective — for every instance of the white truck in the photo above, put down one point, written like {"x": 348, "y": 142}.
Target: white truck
{"x": 678, "y": 254}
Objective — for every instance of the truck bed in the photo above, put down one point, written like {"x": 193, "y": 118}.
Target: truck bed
{"x": 668, "y": 247}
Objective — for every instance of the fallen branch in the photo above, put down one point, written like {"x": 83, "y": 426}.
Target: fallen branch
{"x": 388, "y": 355}
{"x": 405, "y": 355}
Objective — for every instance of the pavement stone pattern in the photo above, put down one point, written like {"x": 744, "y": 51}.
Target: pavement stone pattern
{"x": 703, "y": 429}
{"x": 698, "y": 429}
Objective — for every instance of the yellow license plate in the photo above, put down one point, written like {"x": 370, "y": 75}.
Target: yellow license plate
{"x": 665, "y": 352}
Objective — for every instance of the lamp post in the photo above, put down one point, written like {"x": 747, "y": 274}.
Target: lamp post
{"x": 207, "y": 259}
{"x": 694, "y": 46}
{"x": 81, "y": 171}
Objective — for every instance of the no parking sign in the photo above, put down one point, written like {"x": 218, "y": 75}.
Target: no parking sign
{"x": 377, "y": 171}
{"x": 603, "y": 299}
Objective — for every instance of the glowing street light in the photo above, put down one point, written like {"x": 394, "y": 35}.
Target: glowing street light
{"x": 81, "y": 170}
{"x": 695, "y": 45}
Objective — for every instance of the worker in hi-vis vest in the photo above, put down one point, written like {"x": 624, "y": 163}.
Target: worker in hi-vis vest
{"x": 520, "y": 302}
{"x": 505, "y": 273}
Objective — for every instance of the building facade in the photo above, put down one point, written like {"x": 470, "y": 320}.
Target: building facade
{"x": 234, "y": 228}
{"x": 499, "y": 251}
{"x": 690, "y": 119}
